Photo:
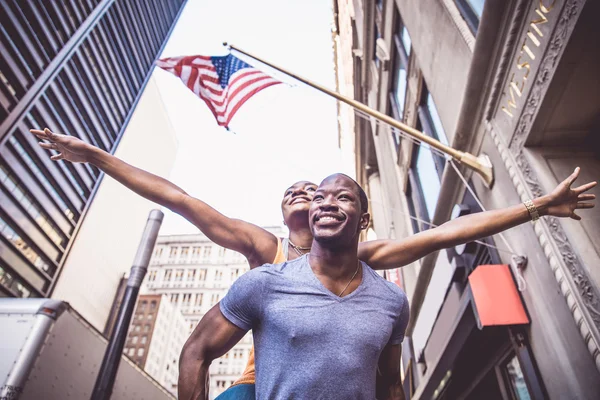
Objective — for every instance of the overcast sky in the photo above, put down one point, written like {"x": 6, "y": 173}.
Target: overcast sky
{"x": 282, "y": 135}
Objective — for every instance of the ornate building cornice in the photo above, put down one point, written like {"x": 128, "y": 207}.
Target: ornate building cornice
{"x": 566, "y": 266}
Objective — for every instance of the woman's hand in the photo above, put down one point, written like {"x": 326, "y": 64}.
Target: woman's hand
{"x": 564, "y": 200}
{"x": 69, "y": 148}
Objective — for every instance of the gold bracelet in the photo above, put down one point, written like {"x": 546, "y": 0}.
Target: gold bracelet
{"x": 532, "y": 209}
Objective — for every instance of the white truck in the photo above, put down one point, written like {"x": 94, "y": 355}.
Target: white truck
{"x": 48, "y": 351}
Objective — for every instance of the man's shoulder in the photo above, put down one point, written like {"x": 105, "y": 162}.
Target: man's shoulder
{"x": 393, "y": 291}
{"x": 258, "y": 274}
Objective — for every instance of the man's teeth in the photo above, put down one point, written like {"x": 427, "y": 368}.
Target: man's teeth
{"x": 326, "y": 219}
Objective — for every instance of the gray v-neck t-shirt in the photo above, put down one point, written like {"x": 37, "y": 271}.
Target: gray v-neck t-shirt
{"x": 310, "y": 343}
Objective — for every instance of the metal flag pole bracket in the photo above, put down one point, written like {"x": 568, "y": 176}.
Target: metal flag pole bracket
{"x": 480, "y": 164}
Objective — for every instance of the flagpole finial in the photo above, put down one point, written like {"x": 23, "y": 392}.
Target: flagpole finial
{"x": 225, "y": 44}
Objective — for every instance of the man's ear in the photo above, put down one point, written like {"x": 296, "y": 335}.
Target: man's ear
{"x": 365, "y": 219}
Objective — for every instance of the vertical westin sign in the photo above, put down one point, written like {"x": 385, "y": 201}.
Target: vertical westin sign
{"x": 526, "y": 55}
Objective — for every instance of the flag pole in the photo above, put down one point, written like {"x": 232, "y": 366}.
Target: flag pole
{"x": 482, "y": 164}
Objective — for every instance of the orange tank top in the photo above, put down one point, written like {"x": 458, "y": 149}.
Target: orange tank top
{"x": 249, "y": 375}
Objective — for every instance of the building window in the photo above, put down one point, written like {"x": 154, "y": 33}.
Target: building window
{"x": 202, "y": 274}
{"x": 140, "y": 352}
{"x": 198, "y": 301}
{"x": 12, "y": 284}
{"x": 191, "y": 274}
{"x": 144, "y": 339}
{"x": 471, "y": 11}
{"x": 152, "y": 276}
{"x": 131, "y": 352}
{"x": 134, "y": 339}
{"x": 184, "y": 254}
{"x": 376, "y": 35}
{"x": 168, "y": 274}
{"x": 206, "y": 253}
{"x": 431, "y": 124}
{"x": 411, "y": 204}
{"x": 174, "y": 298}
{"x": 401, "y": 37}
{"x": 516, "y": 380}
{"x": 179, "y": 275}
{"x": 218, "y": 275}
{"x": 143, "y": 305}
{"x": 428, "y": 179}
{"x": 402, "y": 46}
{"x": 137, "y": 328}
{"x": 187, "y": 297}
{"x": 427, "y": 166}
{"x": 173, "y": 254}
{"x": 21, "y": 195}
{"x": 26, "y": 250}
{"x": 39, "y": 174}
{"x": 196, "y": 253}
{"x": 153, "y": 305}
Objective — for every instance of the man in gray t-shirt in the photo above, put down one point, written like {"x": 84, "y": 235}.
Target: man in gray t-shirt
{"x": 325, "y": 325}
{"x": 309, "y": 342}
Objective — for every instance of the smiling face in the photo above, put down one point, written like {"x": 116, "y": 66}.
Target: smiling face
{"x": 297, "y": 198}
{"x": 336, "y": 214}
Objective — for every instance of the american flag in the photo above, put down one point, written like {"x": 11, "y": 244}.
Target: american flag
{"x": 223, "y": 82}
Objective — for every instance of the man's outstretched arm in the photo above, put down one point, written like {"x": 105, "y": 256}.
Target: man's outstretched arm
{"x": 255, "y": 243}
{"x": 389, "y": 384}
{"x": 213, "y": 337}
{"x": 562, "y": 202}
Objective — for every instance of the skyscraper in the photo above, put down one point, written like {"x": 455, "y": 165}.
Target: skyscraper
{"x": 77, "y": 67}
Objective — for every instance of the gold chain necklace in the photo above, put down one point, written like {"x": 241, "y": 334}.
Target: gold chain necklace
{"x": 351, "y": 279}
{"x": 299, "y": 250}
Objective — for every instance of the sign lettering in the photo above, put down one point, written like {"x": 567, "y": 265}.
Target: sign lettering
{"x": 534, "y": 35}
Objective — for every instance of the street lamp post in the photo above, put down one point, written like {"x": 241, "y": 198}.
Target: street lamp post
{"x": 110, "y": 363}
